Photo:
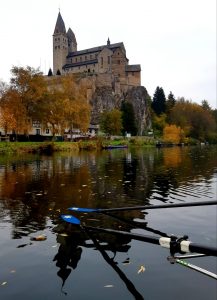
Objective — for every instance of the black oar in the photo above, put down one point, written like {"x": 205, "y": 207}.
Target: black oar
{"x": 172, "y": 243}
{"x": 142, "y": 207}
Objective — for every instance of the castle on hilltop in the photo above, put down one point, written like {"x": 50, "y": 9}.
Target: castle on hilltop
{"x": 108, "y": 63}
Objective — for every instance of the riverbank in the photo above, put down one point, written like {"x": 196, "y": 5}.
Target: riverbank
{"x": 50, "y": 147}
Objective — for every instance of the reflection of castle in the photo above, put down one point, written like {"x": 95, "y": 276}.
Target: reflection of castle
{"x": 108, "y": 62}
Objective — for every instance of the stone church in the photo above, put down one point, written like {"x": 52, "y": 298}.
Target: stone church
{"x": 108, "y": 63}
{"x": 105, "y": 71}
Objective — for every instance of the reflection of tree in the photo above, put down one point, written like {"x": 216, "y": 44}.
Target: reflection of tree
{"x": 34, "y": 187}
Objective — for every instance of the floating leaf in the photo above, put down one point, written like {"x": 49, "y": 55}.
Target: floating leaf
{"x": 4, "y": 283}
{"x": 64, "y": 234}
{"x": 108, "y": 285}
{"x": 13, "y": 271}
{"x": 141, "y": 270}
{"x": 39, "y": 238}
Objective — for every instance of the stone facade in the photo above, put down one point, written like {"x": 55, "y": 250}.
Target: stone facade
{"x": 108, "y": 63}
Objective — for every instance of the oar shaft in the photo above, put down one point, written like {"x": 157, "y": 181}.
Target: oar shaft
{"x": 201, "y": 203}
{"x": 138, "y": 237}
{"x": 203, "y": 249}
{"x": 185, "y": 246}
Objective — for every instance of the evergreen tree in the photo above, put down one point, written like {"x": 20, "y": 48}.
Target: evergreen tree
{"x": 128, "y": 119}
{"x": 170, "y": 102}
{"x": 205, "y": 105}
{"x": 159, "y": 101}
{"x": 50, "y": 73}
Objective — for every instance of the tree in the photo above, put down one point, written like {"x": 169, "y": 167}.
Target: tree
{"x": 110, "y": 122}
{"x": 30, "y": 88}
{"x": 170, "y": 102}
{"x": 193, "y": 119}
{"x": 205, "y": 105}
{"x": 159, "y": 101}
{"x": 65, "y": 106}
{"x": 13, "y": 113}
{"x": 158, "y": 123}
{"x": 50, "y": 73}
{"x": 172, "y": 134}
{"x": 128, "y": 119}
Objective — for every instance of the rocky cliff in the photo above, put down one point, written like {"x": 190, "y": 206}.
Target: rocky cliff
{"x": 104, "y": 99}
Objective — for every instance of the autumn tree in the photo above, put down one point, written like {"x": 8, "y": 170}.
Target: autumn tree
{"x": 65, "y": 106}
{"x": 193, "y": 119}
{"x": 110, "y": 122}
{"x": 158, "y": 124}
{"x": 173, "y": 134}
{"x": 8, "y": 113}
{"x": 19, "y": 103}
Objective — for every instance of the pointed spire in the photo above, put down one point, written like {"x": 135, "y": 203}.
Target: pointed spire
{"x": 60, "y": 25}
{"x": 71, "y": 35}
{"x": 108, "y": 42}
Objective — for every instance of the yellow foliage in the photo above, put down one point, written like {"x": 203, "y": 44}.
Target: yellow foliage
{"x": 172, "y": 134}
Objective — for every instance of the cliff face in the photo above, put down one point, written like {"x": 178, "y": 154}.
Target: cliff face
{"x": 104, "y": 99}
{"x": 138, "y": 97}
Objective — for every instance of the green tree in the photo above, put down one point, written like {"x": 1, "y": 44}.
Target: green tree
{"x": 111, "y": 122}
{"x": 50, "y": 73}
{"x": 128, "y": 119}
{"x": 159, "y": 101}
{"x": 170, "y": 102}
{"x": 205, "y": 105}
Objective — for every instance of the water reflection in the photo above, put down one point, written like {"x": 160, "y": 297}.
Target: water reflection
{"x": 69, "y": 254}
{"x": 33, "y": 188}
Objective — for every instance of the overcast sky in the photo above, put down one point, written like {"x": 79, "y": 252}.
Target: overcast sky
{"x": 173, "y": 40}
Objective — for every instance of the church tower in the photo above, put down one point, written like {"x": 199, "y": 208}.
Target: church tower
{"x": 60, "y": 46}
{"x": 72, "y": 43}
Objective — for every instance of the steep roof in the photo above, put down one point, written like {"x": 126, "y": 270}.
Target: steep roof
{"x": 133, "y": 68}
{"x": 71, "y": 35}
{"x": 96, "y": 49}
{"x": 60, "y": 25}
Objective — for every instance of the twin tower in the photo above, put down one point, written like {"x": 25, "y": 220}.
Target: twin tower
{"x": 109, "y": 62}
{"x": 63, "y": 43}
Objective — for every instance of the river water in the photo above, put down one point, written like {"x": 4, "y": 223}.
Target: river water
{"x": 70, "y": 264}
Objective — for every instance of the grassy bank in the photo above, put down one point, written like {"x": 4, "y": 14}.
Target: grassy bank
{"x": 50, "y": 147}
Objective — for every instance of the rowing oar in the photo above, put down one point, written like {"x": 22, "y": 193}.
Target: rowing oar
{"x": 143, "y": 207}
{"x": 173, "y": 243}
